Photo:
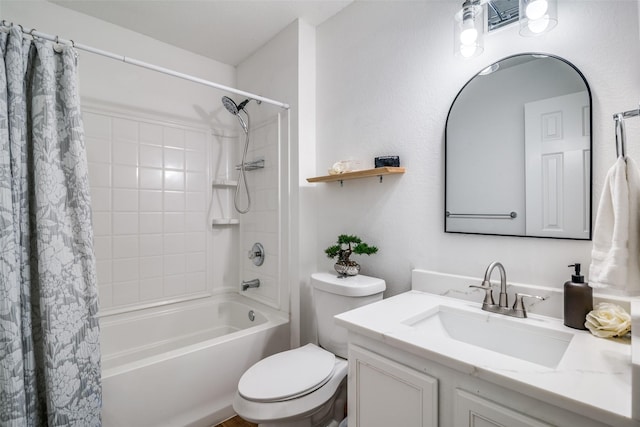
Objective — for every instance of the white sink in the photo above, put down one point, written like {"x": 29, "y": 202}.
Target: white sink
{"x": 517, "y": 338}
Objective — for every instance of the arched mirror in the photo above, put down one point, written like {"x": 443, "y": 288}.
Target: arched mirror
{"x": 518, "y": 151}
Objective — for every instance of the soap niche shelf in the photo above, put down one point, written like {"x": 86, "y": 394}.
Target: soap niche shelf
{"x": 224, "y": 184}
{"x": 365, "y": 173}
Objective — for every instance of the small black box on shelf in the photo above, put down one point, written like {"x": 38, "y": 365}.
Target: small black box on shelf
{"x": 386, "y": 161}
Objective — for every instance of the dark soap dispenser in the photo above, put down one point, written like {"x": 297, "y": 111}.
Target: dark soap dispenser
{"x": 578, "y": 300}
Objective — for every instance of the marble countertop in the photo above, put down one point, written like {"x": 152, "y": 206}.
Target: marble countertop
{"x": 593, "y": 378}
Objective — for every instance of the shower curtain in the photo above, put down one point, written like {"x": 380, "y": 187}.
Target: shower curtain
{"x": 49, "y": 334}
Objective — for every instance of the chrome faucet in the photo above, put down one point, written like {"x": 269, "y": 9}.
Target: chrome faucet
{"x": 518, "y": 309}
{"x": 246, "y": 284}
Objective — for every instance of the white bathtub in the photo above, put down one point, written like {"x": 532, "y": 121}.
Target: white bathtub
{"x": 180, "y": 365}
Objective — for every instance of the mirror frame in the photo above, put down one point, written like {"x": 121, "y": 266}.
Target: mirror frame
{"x": 590, "y": 207}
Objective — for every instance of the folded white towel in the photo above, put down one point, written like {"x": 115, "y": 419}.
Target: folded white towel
{"x": 615, "y": 255}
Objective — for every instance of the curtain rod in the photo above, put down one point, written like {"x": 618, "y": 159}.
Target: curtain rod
{"x": 34, "y": 33}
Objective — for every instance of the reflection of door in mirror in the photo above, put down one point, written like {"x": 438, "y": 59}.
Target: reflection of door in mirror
{"x": 508, "y": 174}
{"x": 557, "y": 152}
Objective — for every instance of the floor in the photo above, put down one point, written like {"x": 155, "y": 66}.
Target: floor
{"x": 236, "y": 422}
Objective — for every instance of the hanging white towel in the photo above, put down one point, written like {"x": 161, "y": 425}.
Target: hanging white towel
{"x": 615, "y": 256}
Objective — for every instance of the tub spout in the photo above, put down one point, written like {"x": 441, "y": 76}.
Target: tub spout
{"x": 246, "y": 284}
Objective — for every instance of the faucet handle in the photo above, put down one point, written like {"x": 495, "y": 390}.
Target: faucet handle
{"x": 518, "y": 305}
{"x": 488, "y": 295}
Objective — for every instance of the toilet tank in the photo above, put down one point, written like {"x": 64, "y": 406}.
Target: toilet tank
{"x": 333, "y": 295}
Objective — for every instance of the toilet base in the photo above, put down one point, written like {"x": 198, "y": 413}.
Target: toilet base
{"x": 328, "y": 415}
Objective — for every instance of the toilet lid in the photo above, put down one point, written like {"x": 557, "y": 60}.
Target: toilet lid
{"x": 287, "y": 375}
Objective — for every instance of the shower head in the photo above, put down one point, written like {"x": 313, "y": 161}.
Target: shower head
{"x": 231, "y": 106}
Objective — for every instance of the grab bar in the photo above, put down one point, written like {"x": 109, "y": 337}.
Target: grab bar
{"x": 510, "y": 215}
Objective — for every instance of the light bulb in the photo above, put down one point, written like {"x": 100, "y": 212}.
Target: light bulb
{"x": 538, "y": 26}
{"x": 469, "y": 36}
{"x": 467, "y": 51}
{"x": 536, "y": 9}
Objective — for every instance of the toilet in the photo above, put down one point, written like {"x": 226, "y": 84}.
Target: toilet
{"x": 306, "y": 386}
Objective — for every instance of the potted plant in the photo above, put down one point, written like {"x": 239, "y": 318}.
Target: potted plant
{"x": 347, "y": 245}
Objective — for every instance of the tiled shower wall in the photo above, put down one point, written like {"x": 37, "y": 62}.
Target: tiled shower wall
{"x": 150, "y": 199}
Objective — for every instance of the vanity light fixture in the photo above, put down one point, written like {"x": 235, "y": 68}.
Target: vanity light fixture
{"x": 536, "y": 17}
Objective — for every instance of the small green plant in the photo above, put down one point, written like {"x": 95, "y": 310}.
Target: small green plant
{"x": 346, "y": 245}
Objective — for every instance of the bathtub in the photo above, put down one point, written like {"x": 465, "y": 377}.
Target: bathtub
{"x": 179, "y": 365}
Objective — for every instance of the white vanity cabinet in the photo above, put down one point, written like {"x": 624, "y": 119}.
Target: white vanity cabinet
{"x": 385, "y": 393}
{"x": 390, "y": 387}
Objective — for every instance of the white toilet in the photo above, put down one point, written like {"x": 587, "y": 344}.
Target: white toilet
{"x": 306, "y": 386}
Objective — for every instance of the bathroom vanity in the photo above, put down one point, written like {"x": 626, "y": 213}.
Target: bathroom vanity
{"x": 423, "y": 359}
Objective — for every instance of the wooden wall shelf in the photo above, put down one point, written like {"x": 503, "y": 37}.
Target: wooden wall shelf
{"x": 365, "y": 173}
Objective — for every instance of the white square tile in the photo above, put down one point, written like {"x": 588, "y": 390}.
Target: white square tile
{"x": 150, "y": 133}
{"x": 98, "y": 150}
{"x": 195, "y": 242}
{"x": 125, "y": 200}
{"x": 125, "y": 176}
{"x": 151, "y": 267}
{"x": 102, "y": 247}
{"x": 195, "y": 262}
{"x": 150, "y": 156}
{"x": 196, "y": 181}
{"x": 125, "y": 269}
{"x": 125, "y": 153}
{"x": 101, "y": 223}
{"x": 173, "y": 180}
{"x": 173, "y": 264}
{"x": 124, "y": 129}
{"x": 195, "y": 141}
{"x": 99, "y": 174}
{"x": 96, "y": 125}
{"x": 174, "y": 243}
{"x": 125, "y": 246}
{"x": 150, "y": 244}
{"x": 196, "y": 282}
{"x": 125, "y": 223}
{"x": 101, "y": 199}
{"x": 174, "y": 201}
{"x": 150, "y": 200}
{"x": 173, "y": 158}
{"x": 173, "y": 137}
{"x": 126, "y": 292}
{"x": 105, "y": 296}
{"x": 151, "y": 289}
{"x": 196, "y": 161}
{"x": 150, "y": 223}
{"x": 196, "y": 202}
{"x": 173, "y": 222}
{"x": 104, "y": 271}
{"x": 195, "y": 221}
{"x": 150, "y": 178}
{"x": 174, "y": 285}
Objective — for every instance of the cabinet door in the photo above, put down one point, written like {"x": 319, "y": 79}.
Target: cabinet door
{"x": 474, "y": 411}
{"x": 384, "y": 393}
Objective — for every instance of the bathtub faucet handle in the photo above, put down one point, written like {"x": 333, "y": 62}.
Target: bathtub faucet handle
{"x": 256, "y": 254}
{"x": 246, "y": 284}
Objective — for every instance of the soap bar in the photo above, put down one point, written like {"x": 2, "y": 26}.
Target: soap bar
{"x": 386, "y": 161}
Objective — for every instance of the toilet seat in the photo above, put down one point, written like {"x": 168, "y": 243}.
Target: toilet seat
{"x": 287, "y": 375}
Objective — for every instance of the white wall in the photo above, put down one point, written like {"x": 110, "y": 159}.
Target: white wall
{"x": 386, "y": 77}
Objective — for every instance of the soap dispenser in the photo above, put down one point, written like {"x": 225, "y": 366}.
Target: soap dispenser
{"x": 578, "y": 300}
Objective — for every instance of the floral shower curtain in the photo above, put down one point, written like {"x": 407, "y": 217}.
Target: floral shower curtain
{"x": 49, "y": 334}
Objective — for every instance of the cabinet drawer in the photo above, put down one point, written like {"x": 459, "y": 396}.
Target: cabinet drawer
{"x": 473, "y": 411}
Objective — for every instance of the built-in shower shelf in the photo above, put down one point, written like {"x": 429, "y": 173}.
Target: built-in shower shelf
{"x": 224, "y": 183}
{"x": 365, "y": 173}
{"x": 224, "y": 221}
